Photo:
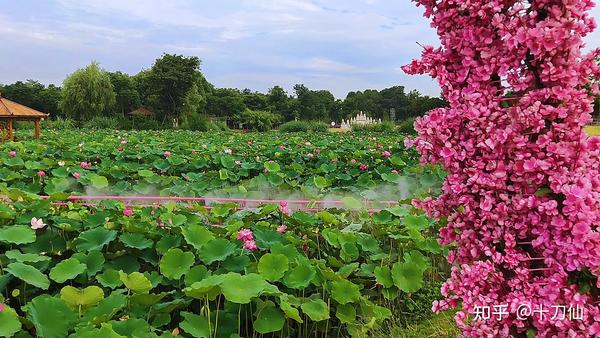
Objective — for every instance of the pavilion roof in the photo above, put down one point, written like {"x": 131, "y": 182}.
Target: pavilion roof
{"x": 10, "y": 108}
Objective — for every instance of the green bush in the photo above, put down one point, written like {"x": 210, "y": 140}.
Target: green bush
{"x": 104, "y": 122}
{"x": 59, "y": 123}
{"x": 218, "y": 126}
{"x": 141, "y": 123}
{"x": 303, "y": 126}
{"x": 259, "y": 120}
{"x": 407, "y": 126}
{"x": 195, "y": 122}
{"x": 385, "y": 126}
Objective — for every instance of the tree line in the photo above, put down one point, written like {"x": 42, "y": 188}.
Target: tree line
{"x": 175, "y": 89}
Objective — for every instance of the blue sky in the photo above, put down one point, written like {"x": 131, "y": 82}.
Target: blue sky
{"x": 340, "y": 45}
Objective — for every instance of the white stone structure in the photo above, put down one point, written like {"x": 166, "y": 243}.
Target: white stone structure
{"x": 360, "y": 119}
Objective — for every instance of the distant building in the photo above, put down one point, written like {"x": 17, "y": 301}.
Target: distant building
{"x": 11, "y": 111}
{"x": 360, "y": 119}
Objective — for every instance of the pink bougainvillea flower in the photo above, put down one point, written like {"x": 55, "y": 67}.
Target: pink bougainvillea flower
{"x": 12, "y": 153}
{"x": 386, "y": 153}
{"x": 76, "y": 175}
{"x": 1, "y": 307}
{"x": 37, "y": 223}
{"x": 363, "y": 167}
{"x": 166, "y": 154}
{"x": 128, "y": 211}
{"x": 245, "y": 235}
{"x": 250, "y": 245}
{"x": 282, "y": 229}
{"x": 41, "y": 173}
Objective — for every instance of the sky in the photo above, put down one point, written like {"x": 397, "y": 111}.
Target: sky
{"x": 339, "y": 45}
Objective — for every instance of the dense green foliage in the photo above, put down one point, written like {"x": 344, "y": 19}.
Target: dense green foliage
{"x": 303, "y": 126}
{"x": 225, "y": 164}
{"x": 87, "y": 93}
{"x": 113, "y": 270}
{"x": 178, "y": 94}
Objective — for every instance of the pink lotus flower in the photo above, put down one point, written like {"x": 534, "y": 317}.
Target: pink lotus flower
{"x": 245, "y": 235}
{"x": 85, "y": 165}
{"x": 363, "y": 167}
{"x": 41, "y": 173}
{"x": 37, "y": 223}
{"x": 194, "y": 152}
{"x": 317, "y": 151}
{"x": 250, "y": 245}
{"x": 238, "y": 162}
{"x": 128, "y": 211}
{"x": 76, "y": 175}
{"x": 123, "y": 141}
{"x": 282, "y": 229}
{"x": 283, "y": 204}
{"x": 166, "y": 154}
{"x": 12, "y": 153}
{"x": 352, "y": 161}
{"x": 285, "y": 210}
{"x": 1, "y": 307}
{"x": 386, "y": 153}
{"x": 281, "y": 148}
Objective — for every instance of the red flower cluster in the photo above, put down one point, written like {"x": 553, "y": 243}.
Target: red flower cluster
{"x": 522, "y": 195}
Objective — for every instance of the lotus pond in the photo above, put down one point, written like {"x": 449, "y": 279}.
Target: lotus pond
{"x": 110, "y": 269}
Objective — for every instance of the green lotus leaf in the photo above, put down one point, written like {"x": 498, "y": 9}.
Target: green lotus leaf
{"x": 25, "y": 257}
{"x": 195, "y": 274}
{"x": 136, "y": 282}
{"x": 269, "y": 319}
{"x": 407, "y": 276}
{"x": 288, "y": 309}
{"x": 105, "y": 331}
{"x": 106, "y": 309}
{"x": 17, "y": 235}
{"x": 196, "y": 326}
{"x": 132, "y": 327}
{"x": 273, "y": 266}
{"x": 90, "y": 296}
{"x": 272, "y": 166}
{"x": 94, "y": 261}
{"x": 299, "y": 277}
{"x": 416, "y": 222}
{"x": 316, "y": 309}
{"x": 197, "y": 235}
{"x": 67, "y": 269}
{"x": 320, "y": 182}
{"x": 175, "y": 263}
{"x": 94, "y": 239}
{"x": 136, "y": 241}
{"x": 9, "y": 322}
{"x": 98, "y": 181}
{"x": 210, "y": 284}
{"x": 110, "y": 278}
{"x": 147, "y": 299}
{"x": 346, "y": 313}
{"x": 344, "y": 291}
{"x": 216, "y": 250}
{"x": 383, "y": 276}
{"x": 51, "y": 316}
{"x": 28, "y": 274}
{"x": 241, "y": 289}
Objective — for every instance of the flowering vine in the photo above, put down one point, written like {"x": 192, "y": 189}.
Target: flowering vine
{"x": 522, "y": 194}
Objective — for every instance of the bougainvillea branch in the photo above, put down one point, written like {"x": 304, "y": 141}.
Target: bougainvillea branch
{"x": 522, "y": 195}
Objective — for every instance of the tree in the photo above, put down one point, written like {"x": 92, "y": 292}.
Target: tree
{"x": 255, "y": 100}
{"x": 86, "y": 93}
{"x": 314, "y": 105}
{"x": 280, "y": 103}
{"x": 520, "y": 204}
{"x": 226, "y": 102}
{"x": 126, "y": 94}
{"x": 169, "y": 80}
{"x": 35, "y": 95}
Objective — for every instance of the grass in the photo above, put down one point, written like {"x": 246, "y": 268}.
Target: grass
{"x": 593, "y": 130}
{"x": 439, "y": 326}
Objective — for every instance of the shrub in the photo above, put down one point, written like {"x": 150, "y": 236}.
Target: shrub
{"x": 59, "y": 123}
{"x": 381, "y": 127}
{"x": 195, "y": 121}
{"x": 259, "y": 120}
{"x": 407, "y": 126}
{"x": 303, "y": 126}
{"x": 218, "y": 126}
{"x": 104, "y": 122}
{"x": 140, "y": 123}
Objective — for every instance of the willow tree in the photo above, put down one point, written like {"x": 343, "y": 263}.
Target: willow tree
{"x": 522, "y": 195}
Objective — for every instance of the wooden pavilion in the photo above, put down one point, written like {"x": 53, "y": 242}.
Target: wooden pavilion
{"x": 11, "y": 111}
